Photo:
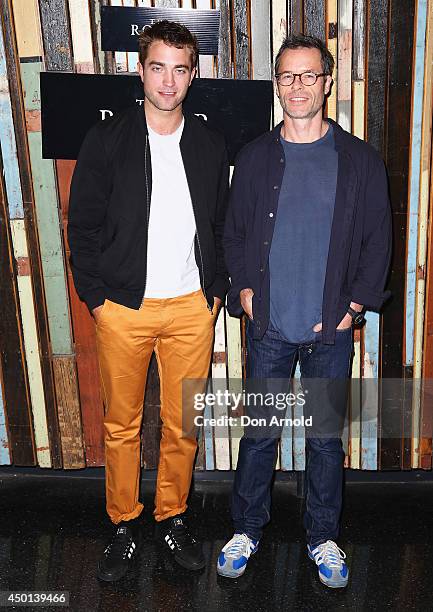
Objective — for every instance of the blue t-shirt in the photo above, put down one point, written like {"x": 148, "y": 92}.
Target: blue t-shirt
{"x": 300, "y": 243}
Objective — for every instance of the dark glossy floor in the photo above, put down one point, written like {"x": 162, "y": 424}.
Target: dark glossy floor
{"x": 53, "y": 529}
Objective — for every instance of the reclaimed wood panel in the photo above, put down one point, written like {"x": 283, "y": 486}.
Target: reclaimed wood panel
{"x": 261, "y": 66}
{"x": 354, "y": 450}
{"x": 30, "y": 342}
{"x": 344, "y": 75}
{"x": 376, "y": 81}
{"x": 68, "y": 406}
{"x": 427, "y": 370}
{"x": 219, "y": 381}
{"x": 235, "y": 381}
{"x": 419, "y": 183}
{"x": 224, "y": 44}
{"x": 205, "y": 62}
{"x": 92, "y": 413}
{"x": 45, "y": 195}
{"x": 279, "y": 32}
{"x": 22, "y": 265}
{"x": 56, "y": 35}
{"x": 81, "y": 34}
{"x": 166, "y": 3}
{"x": 314, "y": 18}
{"x": 67, "y": 393}
{"x": 241, "y": 46}
{"x": 14, "y": 83}
{"x": 400, "y": 67}
{"x": 104, "y": 60}
{"x": 296, "y": 16}
{"x": 14, "y": 375}
{"x": 415, "y": 177}
{"x": 358, "y": 40}
{"x": 376, "y": 104}
{"x": 5, "y": 456}
{"x": 332, "y": 44}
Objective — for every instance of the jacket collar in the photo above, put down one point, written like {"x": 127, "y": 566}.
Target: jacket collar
{"x": 141, "y": 118}
{"x": 339, "y": 135}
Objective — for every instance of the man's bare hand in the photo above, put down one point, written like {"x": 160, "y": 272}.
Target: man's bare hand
{"x": 246, "y": 296}
{"x": 217, "y": 303}
{"x": 96, "y": 312}
{"x": 345, "y": 322}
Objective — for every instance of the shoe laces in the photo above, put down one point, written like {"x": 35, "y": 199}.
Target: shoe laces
{"x": 329, "y": 554}
{"x": 121, "y": 544}
{"x": 239, "y": 545}
{"x": 180, "y": 534}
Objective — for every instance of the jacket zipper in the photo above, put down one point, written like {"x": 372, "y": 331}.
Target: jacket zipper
{"x": 196, "y": 233}
{"x": 201, "y": 261}
{"x": 148, "y": 214}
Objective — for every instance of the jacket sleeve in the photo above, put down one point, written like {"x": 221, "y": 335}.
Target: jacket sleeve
{"x": 369, "y": 283}
{"x": 221, "y": 283}
{"x": 88, "y": 201}
{"x": 235, "y": 235}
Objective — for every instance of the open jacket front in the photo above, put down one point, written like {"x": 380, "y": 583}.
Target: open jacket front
{"x": 361, "y": 235}
{"x": 110, "y": 206}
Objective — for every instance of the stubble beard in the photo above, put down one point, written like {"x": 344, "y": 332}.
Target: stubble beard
{"x": 171, "y": 104}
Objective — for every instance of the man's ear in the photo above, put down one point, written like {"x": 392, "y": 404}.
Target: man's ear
{"x": 328, "y": 84}
{"x": 140, "y": 70}
{"x": 193, "y": 73}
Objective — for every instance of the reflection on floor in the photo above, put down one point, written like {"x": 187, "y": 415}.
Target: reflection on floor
{"x": 52, "y": 531}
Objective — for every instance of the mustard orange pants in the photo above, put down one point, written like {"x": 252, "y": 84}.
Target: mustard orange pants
{"x": 180, "y": 330}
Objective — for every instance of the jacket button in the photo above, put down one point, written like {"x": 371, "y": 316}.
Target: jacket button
{"x": 266, "y": 243}
{"x": 271, "y": 214}
{"x": 282, "y": 160}
{"x": 261, "y": 269}
{"x": 275, "y": 186}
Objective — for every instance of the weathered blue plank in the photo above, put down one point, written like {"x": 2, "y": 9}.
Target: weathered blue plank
{"x": 5, "y": 457}
{"x": 370, "y": 393}
{"x": 415, "y": 176}
{"x": 7, "y": 142}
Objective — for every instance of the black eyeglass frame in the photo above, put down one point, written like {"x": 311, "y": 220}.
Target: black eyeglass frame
{"x": 299, "y": 74}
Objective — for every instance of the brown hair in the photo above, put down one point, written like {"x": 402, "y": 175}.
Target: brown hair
{"x": 171, "y": 33}
{"x": 300, "y": 41}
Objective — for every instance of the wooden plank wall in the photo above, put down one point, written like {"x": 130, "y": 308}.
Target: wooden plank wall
{"x": 50, "y": 407}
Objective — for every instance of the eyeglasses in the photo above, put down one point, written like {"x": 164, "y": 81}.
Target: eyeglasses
{"x": 306, "y": 78}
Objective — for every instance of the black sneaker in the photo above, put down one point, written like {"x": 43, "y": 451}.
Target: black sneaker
{"x": 174, "y": 535}
{"x": 119, "y": 553}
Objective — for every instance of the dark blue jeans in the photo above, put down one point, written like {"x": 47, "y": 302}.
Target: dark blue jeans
{"x": 324, "y": 372}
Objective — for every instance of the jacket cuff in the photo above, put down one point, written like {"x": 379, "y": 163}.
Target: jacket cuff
{"x": 94, "y": 298}
{"x": 219, "y": 287}
{"x": 361, "y": 294}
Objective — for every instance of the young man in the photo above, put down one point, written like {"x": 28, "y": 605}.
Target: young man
{"x": 147, "y": 210}
{"x": 307, "y": 245}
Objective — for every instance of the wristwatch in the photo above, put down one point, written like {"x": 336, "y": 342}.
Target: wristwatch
{"x": 357, "y": 317}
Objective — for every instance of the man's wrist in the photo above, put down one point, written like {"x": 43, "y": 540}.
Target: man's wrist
{"x": 357, "y": 315}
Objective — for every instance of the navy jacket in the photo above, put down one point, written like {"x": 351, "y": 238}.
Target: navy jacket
{"x": 361, "y": 235}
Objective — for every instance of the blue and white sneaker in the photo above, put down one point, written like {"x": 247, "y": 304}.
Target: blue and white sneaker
{"x": 233, "y": 558}
{"x": 329, "y": 558}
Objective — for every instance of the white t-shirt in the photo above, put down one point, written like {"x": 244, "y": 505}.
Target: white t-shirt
{"x": 171, "y": 265}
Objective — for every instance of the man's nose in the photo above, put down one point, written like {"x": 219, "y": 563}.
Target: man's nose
{"x": 168, "y": 77}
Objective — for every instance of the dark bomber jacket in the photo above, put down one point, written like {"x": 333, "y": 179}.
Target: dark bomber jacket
{"x": 360, "y": 244}
{"x": 110, "y": 205}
